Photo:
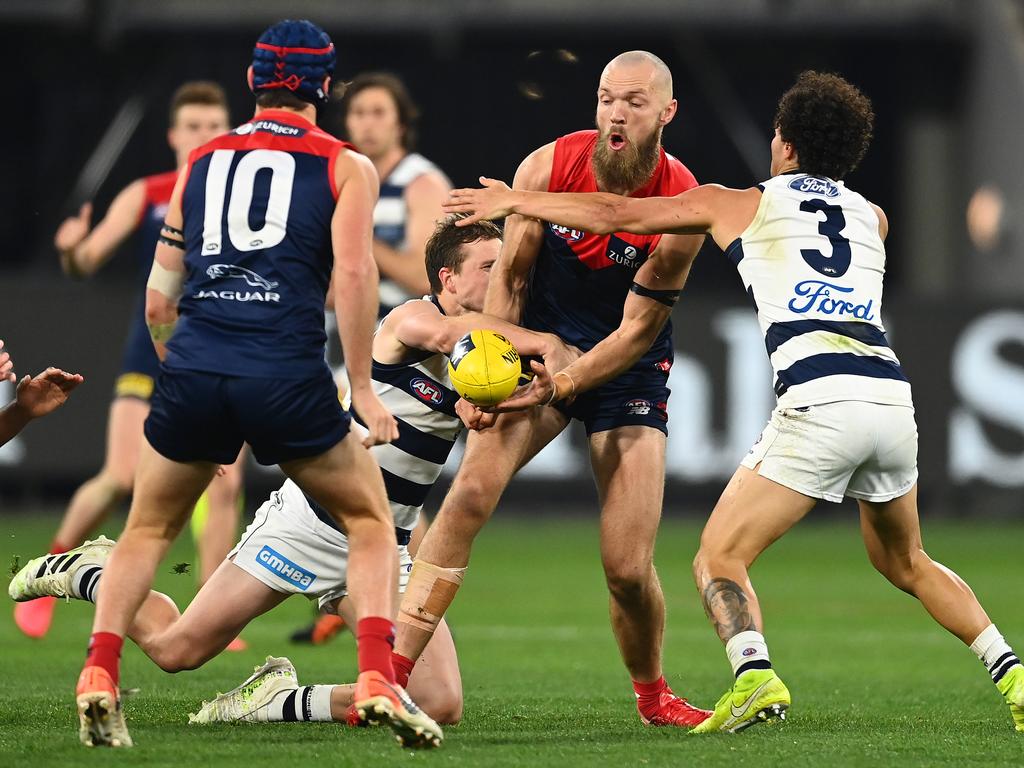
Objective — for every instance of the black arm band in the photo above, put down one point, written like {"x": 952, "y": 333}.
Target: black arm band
{"x": 170, "y": 242}
{"x": 668, "y": 298}
{"x": 168, "y": 228}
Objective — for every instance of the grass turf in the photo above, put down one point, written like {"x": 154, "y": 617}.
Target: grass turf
{"x": 874, "y": 680}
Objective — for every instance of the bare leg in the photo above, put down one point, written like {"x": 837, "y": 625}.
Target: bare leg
{"x": 751, "y": 513}
{"x": 892, "y": 535}
{"x": 629, "y": 467}
{"x": 348, "y": 483}
{"x": 166, "y": 492}
{"x": 492, "y": 457}
{"x": 435, "y": 684}
{"x": 221, "y": 609}
{"x": 97, "y": 497}
{"x": 221, "y": 529}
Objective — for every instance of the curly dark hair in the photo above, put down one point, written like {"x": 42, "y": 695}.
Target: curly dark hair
{"x": 444, "y": 248}
{"x": 828, "y": 121}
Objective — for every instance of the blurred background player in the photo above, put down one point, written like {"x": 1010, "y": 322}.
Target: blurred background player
{"x": 811, "y": 253}
{"x": 198, "y": 112}
{"x": 379, "y": 116}
{"x": 35, "y": 396}
{"x": 235, "y": 306}
{"x": 579, "y": 286}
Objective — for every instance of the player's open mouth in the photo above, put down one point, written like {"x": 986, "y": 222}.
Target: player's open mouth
{"x": 616, "y": 141}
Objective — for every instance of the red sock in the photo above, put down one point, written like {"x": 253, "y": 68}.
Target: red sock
{"x": 375, "y": 639}
{"x": 403, "y": 668}
{"x": 648, "y": 695}
{"x": 57, "y": 549}
{"x": 105, "y": 651}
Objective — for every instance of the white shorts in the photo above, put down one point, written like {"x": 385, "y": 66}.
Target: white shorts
{"x": 849, "y": 448}
{"x": 291, "y": 550}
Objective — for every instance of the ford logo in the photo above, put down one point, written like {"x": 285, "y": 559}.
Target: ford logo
{"x": 814, "y": 185}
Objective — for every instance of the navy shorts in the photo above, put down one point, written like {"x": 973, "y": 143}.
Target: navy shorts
{"x": 637, "y": 397}
{"x": 139, "y": 363}
{"x": 199, "y": 416}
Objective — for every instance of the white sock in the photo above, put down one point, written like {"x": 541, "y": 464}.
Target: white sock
{"x": 994, "y": 652}
{"x": 746, "y": 651}
{"x": 307, "y": 703}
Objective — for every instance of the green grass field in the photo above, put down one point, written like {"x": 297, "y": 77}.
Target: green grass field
{"x": 874, "y": 681}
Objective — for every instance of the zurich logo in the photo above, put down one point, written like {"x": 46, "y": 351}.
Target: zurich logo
{"x": 814, "y": 185}
{"x": 427, "y": 391}
{"x": 572, "y": 235}
{"x": 216, "y": 271}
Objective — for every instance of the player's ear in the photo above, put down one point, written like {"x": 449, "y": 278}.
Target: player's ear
{"x": 249, "y": 78}
{"x": 446, "y": 276}
{"x": 669, "y": 112}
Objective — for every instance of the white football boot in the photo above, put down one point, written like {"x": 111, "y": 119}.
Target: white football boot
{"x": 249, "y": 702}
{"x": 54, "y": 575}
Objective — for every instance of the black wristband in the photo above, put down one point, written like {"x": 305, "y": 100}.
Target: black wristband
{"x": 172, "y": 230}
{"x": 170, "y": 242}
{"x": 668, "y": 298}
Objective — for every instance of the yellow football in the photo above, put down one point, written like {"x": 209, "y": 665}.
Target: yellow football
{"x": 484, "y": 367}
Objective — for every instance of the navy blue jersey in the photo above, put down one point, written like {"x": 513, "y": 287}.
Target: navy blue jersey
{"x": 257, "y": 208}
{"x": 581, "y": 280}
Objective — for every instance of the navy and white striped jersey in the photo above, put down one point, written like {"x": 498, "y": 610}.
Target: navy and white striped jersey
{"x": 420, "y": 396}
{"x": 390, "y": 216}
{"x": 813, "y": 263}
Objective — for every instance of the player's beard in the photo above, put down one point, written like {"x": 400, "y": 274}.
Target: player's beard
{"x": 629, "y": 168}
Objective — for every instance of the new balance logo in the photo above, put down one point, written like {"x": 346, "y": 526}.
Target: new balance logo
{"x": 285, "y": 569}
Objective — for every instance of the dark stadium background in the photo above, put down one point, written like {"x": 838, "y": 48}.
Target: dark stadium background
{"x": 946, "y": 78}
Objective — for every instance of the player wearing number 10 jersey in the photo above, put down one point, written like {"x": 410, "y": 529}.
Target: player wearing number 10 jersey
{"x": 257, "y": 220}
{"x": 811, "y": 255}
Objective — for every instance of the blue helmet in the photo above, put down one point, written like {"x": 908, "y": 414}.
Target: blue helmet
{"x": 296, "y": 55}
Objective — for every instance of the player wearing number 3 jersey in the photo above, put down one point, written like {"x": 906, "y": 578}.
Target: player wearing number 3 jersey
{"x": 235, "y": 305}
{"x": 811, "y": 255}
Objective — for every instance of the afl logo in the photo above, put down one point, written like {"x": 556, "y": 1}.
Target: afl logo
{"x": 814, "y": 185}
{"x": 427, "y": 391}
{"x": 572, "y": 235}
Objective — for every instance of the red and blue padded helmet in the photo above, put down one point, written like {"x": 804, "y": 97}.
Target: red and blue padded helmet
{"x": 296, "y": 55}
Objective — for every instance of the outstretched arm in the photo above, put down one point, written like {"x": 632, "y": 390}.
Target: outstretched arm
{"x": 36, "y": 396}
{"x": 646, "y": 310}
{"x": 426, "y": 328}
{"x": 82, "y": 251}
{"x": 600, "y": 213}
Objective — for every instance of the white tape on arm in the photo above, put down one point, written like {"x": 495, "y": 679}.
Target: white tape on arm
{"x": 168, "y": 282}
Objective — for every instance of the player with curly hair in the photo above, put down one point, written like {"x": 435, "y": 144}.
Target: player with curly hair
{"x": 811, "y": 256}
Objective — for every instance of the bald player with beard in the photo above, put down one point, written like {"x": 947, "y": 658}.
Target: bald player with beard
{"x": 584, "y": 288}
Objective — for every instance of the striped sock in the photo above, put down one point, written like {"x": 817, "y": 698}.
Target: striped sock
{"x": 86, "y": 582}
{"x": 994, "y": 652}
{"x": 308, "y": 703}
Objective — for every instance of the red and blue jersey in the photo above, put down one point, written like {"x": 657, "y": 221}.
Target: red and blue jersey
{"x": 158, "y": 189}
{"x": 257, "y": 208}
{"x": 581, "y": 280}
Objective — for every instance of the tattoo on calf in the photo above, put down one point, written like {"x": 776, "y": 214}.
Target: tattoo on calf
{"x": 725, "y": 604}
